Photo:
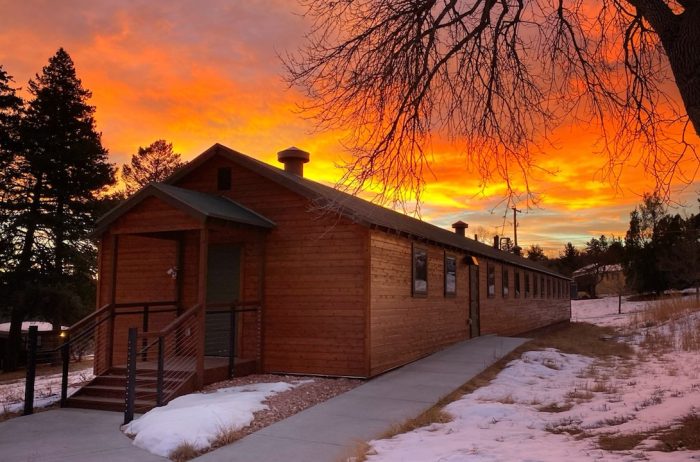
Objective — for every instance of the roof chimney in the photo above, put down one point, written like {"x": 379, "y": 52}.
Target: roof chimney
{"x": 459, "y": 227}
{"x": 496, "y": 242}
{"x": 293, "y": 159}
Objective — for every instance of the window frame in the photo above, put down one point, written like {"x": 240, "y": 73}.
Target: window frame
{"x": 490, "y": 280}
{"x": 543, "y": 291}
{"x": 453, "y": 258}
{"x": 534, "y": 285}
{"x": 505, "y": 282}
{"x": 415, "y": 252}
{"x": 527, "y": 285}
{"x": 516, "y": 283}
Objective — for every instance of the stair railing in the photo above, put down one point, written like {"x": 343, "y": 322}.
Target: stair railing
{"x": 169, "y": 355}
{"x": 249, "y": 330}
{"x": 81, "y": 339}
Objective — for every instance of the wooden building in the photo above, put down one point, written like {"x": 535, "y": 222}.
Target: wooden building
{"x": 257, "y": 267}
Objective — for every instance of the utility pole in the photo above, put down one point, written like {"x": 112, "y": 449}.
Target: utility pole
{"x": 515, "y": 224}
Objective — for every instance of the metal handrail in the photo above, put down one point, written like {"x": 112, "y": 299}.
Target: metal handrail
{"x": 132, "y": 353}
{"x": 174, "y": 324}
{"x": 157, "y": 339}
{"x": 106, "y": 307}
{"x": 64, "y": 348}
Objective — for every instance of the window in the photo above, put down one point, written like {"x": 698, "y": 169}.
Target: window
{"x": 535, "y": 294}
{"x": 223, "y": 179}
{"x": 516, "y": 283}
{"x": 543, "y": 294}
{"x": 505, "y": 282}
{"x": 450, "y": 275}
{"x": 527, "y": 285}
{"x": 490, "y": 280}
{"x": 420, "y": 272}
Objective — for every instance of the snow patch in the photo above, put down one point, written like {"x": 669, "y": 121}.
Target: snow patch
{"x": 198, "y": 418}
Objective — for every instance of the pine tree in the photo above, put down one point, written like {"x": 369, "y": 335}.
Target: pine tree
{"x": 536, "y": 253}
{"x": 10, "y": 115}
{"x": 62, "y": 167}
{"x": 151, "y": 164}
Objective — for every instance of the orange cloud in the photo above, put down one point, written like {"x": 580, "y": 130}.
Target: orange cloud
{"x": 198, "y": 75}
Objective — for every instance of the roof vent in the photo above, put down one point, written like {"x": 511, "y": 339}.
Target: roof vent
{"x": 293, "y": 159}
{"x": 459, "y": 227}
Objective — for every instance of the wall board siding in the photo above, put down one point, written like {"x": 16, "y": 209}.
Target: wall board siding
{"x": 314, "y": 265}
{"x": 402, "y": 327}
{"x": 512, "y": 315}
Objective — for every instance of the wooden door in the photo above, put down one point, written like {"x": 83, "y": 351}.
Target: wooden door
{"x": 223, "y": 287}
{"x": 474, "y": 329}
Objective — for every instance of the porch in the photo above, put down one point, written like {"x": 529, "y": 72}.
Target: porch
{"x": 181, "y": 287}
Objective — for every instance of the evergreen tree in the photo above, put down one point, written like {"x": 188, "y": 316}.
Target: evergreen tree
{"x": 62, "y": 166}
{"x": 10, "y": 114}
{"x": 569, "y": 260}
{"x": 535, "y": 253}
{"x": 151, "y": 164}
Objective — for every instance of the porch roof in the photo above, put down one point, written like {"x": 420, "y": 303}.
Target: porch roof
{"x": 197, "y": 204}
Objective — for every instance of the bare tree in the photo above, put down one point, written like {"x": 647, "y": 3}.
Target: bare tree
{"x": 496, "y": 77}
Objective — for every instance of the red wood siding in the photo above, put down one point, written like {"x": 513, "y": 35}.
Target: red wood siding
{"x": 403, "y": 327}
{"x": 315, "y": 269}
{"x": 510, "y": 315}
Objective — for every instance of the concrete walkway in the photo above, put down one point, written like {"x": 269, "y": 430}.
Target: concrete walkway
{"x": 330, "y": 430}
{"x": 323, "y": 433}
{"x": 76, "y": 435}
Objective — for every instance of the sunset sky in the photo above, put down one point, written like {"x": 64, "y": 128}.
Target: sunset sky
{"x": 197, "y": 73}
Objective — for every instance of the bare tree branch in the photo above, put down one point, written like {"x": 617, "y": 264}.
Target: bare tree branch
{"x": 496, "y": 77}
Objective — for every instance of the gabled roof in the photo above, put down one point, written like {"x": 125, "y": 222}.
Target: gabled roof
{"x": 197, "y": 204}
{"x": 360, "y": 210}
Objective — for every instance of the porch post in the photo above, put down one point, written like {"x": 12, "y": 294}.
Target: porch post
{"x": 109, "y": 341}
{"x": 202, "y": 300}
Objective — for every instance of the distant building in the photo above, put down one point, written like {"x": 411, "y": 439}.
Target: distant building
{"x": 46, "y": 337}
{"x": 600, "y": 280}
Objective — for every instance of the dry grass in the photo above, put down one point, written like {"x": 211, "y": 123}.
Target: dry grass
{"x": 555, "y": 407}
{"x": 684, "y": 436}
{"x": 226, "y": 436}
{"x": 568, "y": 425}
{"x": 681, "y": 331}
{"x": 666, "y": 310}
{"x": 617, "y": 442}
{"x": 604, "y": 386}
{"x": 689, "y": 334}
{"x": 580, "y": 394}
{"x": 584, "y": 339}
{"x": 184, "y": 452}
{"x": 434, "y": 415}
{"x": 358, "y": 453}
{"x": 575, "y": 338}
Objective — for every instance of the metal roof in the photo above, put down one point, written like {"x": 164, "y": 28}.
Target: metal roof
{"x": 195, "y": 203}
{"x": 360, "y": 210}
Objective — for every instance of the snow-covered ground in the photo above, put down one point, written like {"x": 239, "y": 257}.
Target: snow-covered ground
{"x": 47, "y": 390}
{"x": 198, "y": 419}
{"x": 512, "y": 418}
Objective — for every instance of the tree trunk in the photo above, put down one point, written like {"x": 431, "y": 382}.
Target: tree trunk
{"x": 684, "y": 56}
{"x": 14, "y": 339}
{"x": 680, "y": 37}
